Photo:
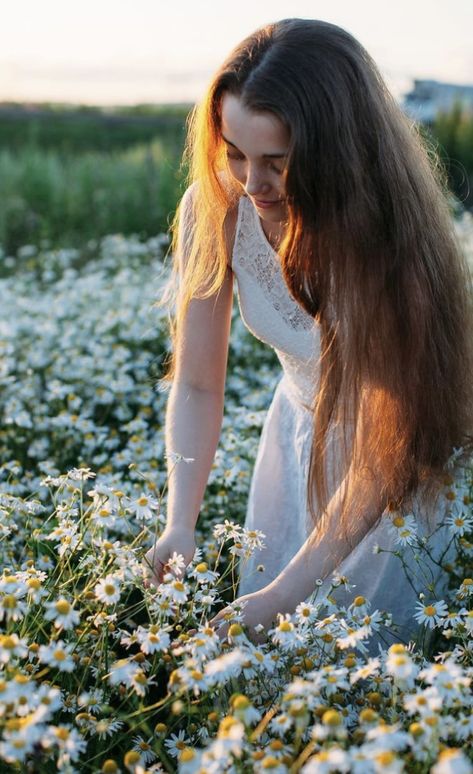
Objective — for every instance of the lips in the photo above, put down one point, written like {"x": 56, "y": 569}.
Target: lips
{"x": 262, "y": 203}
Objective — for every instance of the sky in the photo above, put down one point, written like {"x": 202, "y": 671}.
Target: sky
{"x": 119, "y": 52}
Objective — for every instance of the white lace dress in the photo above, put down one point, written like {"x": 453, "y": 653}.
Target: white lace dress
{"x": 277, "y": 502}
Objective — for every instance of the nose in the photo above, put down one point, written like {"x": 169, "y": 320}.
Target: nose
{"x": 255, "y": 182}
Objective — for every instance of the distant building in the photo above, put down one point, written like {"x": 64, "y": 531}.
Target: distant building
{"x": 428, "y": 98}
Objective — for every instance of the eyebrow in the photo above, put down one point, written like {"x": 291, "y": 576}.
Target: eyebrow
{"x": 265, "y": 155}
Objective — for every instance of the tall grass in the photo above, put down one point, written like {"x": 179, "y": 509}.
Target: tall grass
{"x": 67, "y": 199}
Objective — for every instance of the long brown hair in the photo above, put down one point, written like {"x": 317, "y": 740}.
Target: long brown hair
{"x": 369, "y": 251}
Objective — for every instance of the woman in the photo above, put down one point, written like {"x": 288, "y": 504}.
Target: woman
{"x": 309, "y": 186}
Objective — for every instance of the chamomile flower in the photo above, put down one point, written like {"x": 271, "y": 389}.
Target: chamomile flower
{"x": 146, "y": 508}
{"x": 144, "y": 748}
{"x": 424, "y": 701}
{"x": 123, "y": 671}
{"x": 253, "y": 539}
{"x": 432, "y": 614}
{"x": 107, "y": 727}
{"x": 223, "y": 668}
{"x": 280, "y": 724}
{"x": 107, "y": 590}
{"x": 92, "y": 700}
{"x": 306, "y": 613}
{"x": 452, "y": 761}
{"x": 175, "y": 590}
{"x": 176, "y": 743}
{"x": 370, "y": 668}
{"x": 229, "y": 530}
{"x": 12, "y": 607}
{"x": 62, "y": 613}
{"x": 12, "y": 647}
{"x": 244, "y": 710}
{"x": 104, "y": 516}
{"x": 176, "y": 563}
{"x": 154, "y": 639}
{"x": 202, "y": 574}
{"x": 459, "y": 522}
{"x": 353, "y": 637}
{"x": 400, "y": 665}
{"x": 285, "y": 633}
{"x": 402, "y": 527}
{"x": 58, "y": 655}
{"x": 467, "y": 619}
{"x": 36, "y": 592}
{"x": 325, "y": 761}
{"x": 18, "y": 743}
{"x": 68, "y": 740}
{"x": 466, "y": 588}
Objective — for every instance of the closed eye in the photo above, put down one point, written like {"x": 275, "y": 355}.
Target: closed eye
{"x": 239, "y": 157}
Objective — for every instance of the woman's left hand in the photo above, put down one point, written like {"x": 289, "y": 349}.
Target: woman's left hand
{"x": 261, "y": 607}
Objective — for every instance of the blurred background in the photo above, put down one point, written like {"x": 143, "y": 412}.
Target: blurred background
{"x": 94, "y": 97}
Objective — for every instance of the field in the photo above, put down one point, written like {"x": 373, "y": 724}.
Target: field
{"x": 103, "y": 675}
{"x": 100, "y": 673}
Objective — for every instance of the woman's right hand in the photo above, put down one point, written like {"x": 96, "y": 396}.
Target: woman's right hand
{"x": 177, "y": 540}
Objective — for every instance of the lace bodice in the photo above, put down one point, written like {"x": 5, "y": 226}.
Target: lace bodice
{"x": 267, "y": 308}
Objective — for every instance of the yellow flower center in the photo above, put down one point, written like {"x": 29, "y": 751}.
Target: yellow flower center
{"x": 285, "y": 626}
{"x": 430, "y": 610}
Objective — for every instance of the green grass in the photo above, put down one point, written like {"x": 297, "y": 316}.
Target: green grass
{"x": 67, "y": 199}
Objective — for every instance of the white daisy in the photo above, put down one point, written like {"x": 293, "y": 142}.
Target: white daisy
{"x": 175, "y": 590}
{"x": 403, "y": 528}
{"x": 459, "y": 522}
{"x": 452, "y": 761}
{"x": 107, "y": 590}
{"x": 176, "y": 563}
{"x": 176, "y": 743}
{"x": 353, "y": 637}
{"x": 431, "y": 615}
{"x": 57, "y": 654}
{"x": 202, "y": 574}
{"x": 144, "y": 748}
{"x": 155, "y": 639}
{"x": 62, "y": 613}
{"x": 306, "y": 613}
{"x": 146, "y": 508}
{"x": 285, "y": 633}
{"x": 229, "y": 530}
{"x": 11, "y": 646}
{"x": 400, "y": 665}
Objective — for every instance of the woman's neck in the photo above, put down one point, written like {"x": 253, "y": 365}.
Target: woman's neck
{"x": 274, "y": 233}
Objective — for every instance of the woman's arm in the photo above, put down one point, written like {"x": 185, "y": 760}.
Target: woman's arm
{"x": 195, "y": 404}
{"x": 319, "y": 558}
{"x": 194, "y": 409}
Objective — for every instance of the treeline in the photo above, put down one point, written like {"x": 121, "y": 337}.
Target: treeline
{"x": 69, "y": 175}
{"x": 84, "y": 128}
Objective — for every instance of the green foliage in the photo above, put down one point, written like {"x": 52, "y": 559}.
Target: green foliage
{"x": 69, "y": 199}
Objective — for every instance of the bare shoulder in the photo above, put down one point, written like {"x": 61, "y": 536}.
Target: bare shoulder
{"x": 229, "y": 222}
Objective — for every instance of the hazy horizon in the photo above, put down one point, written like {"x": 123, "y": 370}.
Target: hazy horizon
{"x": 111, "y": 54}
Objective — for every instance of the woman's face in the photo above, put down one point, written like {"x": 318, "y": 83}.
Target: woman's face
{"x": 257, "y": 147}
